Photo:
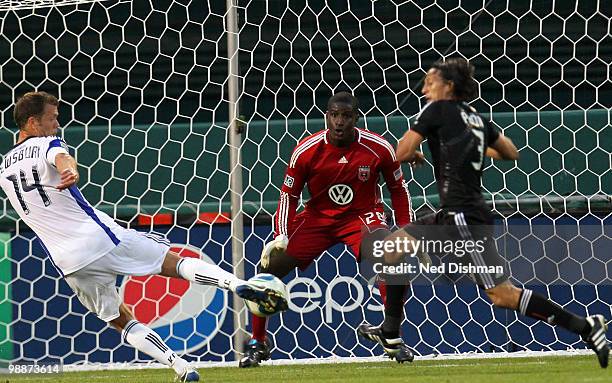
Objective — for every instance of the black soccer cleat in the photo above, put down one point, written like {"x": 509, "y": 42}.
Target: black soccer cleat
{"x": 255, "y": 353}
{"x": 395, "y": 348}
{"x": 271, "y": 301}
{"x": 596, "y": 340}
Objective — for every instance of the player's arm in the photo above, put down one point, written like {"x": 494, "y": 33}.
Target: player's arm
{"x": 291, "y": 190}
{"x": 58, "y": 156}
{"x": 492, "y": 153}
{"x": 67, "y": 168}
{"x": 407, "y": 148}
{"x": 503, "y": 149}
{"x": 499, "y": 147}
{"x": 424, "y": 125}
{"x": 400, "y": 197}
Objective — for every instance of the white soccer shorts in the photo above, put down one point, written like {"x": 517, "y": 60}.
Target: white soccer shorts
{"x": 137, "y": 254}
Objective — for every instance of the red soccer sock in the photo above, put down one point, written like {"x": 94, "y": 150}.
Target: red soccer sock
{"x": 382, "y": 287}
{"x": 258, "y": 325}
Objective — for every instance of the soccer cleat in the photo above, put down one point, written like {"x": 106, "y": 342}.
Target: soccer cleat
{"x": 395, "y": 348}
{"x": 596, "y": 340}
{"x": 190, "y": 374}
{"x": 270, "y": 300}
{"x": 255, "y": 353}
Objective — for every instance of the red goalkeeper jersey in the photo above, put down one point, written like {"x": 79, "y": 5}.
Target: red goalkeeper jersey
{"x": 342, "y": 181}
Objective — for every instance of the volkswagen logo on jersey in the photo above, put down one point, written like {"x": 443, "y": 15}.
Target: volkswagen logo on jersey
{"x": 341, "y": 194}
{"x": 186, "y": 315}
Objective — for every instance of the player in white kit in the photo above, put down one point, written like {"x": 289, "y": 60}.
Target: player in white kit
{"x": 87, "y": 247}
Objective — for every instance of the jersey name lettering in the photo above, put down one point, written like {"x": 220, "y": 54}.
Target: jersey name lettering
{"x": 23, "y": 153}
{"x": 472, "y": 120}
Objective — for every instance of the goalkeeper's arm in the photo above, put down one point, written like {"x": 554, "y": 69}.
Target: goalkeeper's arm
{"x": 295, "y": 178}
{"x": 287, "y": 206}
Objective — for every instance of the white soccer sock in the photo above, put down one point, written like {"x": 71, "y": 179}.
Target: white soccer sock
{"x": 198, "y": 271}
{"x": 146, "y": 340}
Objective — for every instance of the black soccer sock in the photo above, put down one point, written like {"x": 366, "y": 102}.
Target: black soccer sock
{"x": 536, "y": 306}
{"x": 394, "y": 309}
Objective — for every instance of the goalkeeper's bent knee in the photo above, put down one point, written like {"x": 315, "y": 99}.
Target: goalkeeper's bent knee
{"x": 369, "y": 240}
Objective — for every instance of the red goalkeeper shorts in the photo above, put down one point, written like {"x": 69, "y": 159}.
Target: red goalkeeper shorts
{"x": 314, "y": 233}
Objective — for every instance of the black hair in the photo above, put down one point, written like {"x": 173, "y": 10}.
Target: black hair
{"x": 461, "y": 73}
{"x": 344, "y": 98}
{"x": 32, "y": 104}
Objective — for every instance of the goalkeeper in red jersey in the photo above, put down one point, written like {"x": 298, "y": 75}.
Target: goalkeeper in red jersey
{"x": 341, "y": 166}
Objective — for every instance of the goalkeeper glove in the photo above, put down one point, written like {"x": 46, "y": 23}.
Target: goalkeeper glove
{"x": 271, "y": 249}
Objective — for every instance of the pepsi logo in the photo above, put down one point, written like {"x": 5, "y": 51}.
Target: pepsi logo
{"x": 186, "y": 315}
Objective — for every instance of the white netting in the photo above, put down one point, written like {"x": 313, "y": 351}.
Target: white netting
{"x": 144, "y": 105}
{"x": 9, "y": 5}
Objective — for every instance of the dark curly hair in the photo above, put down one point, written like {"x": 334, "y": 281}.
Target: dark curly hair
{"x": 461, "y": 73}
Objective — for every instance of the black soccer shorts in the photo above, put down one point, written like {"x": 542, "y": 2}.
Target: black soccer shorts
{"x": 455, "y": 229}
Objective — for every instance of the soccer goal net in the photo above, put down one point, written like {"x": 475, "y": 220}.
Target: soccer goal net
{"x": 144, "y": 109}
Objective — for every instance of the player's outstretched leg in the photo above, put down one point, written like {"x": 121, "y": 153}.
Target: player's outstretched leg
{"x": 198, "y": 271}
{"x": 592, "y": 329}
{"x": 596, "y": 338}
{"x": 148, "y": 342}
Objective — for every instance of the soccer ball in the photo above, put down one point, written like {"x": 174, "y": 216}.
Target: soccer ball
{"x": 267, "y": 281}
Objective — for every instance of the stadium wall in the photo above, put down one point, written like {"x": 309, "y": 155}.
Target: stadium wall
{"x": 183, "y": 169}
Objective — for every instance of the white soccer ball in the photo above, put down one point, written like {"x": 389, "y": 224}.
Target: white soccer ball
{"x": 267, "y": 281}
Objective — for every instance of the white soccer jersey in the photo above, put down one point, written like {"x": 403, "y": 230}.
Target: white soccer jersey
{"x": 71, "y": 231}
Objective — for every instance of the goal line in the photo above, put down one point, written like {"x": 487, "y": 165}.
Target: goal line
{"x": 331, "y": 360}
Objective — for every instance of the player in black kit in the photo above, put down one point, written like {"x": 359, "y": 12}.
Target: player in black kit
{"x": 458, "y": 138}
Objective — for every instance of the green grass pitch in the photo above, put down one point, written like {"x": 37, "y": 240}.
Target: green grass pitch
{"x": 500, "y": 370}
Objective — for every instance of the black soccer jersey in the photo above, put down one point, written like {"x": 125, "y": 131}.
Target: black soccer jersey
{"x": 457, "y": 137}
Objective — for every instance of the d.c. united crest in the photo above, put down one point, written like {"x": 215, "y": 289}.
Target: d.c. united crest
{"x": 364, "y": 173}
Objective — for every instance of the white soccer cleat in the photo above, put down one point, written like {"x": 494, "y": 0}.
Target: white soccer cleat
{"x": 189, "y": 374}
{"x": 264, "y": 294}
